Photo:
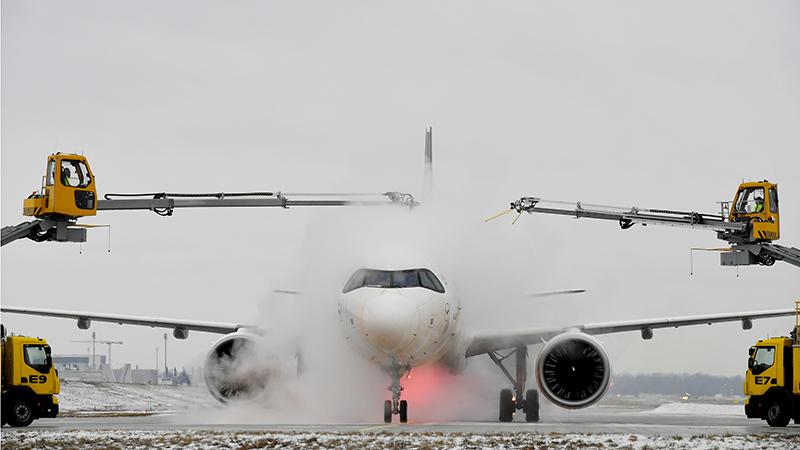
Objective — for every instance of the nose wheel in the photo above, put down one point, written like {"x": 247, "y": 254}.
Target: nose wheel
{"x": 395, "y": 406}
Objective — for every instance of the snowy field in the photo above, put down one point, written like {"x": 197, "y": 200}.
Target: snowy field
{"x": 256, "y": 440}
{"x": 84, "y": 398}
{"x": 701, "y": 409}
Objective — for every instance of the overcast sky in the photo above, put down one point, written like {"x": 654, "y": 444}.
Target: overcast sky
{"x": 664, "y": 105}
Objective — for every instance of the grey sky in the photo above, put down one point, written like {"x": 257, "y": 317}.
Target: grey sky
{"x": 665, "y": 104}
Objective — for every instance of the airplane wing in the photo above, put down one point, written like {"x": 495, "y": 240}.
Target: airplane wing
{"x": 181, "y": 326}
{"x": 484, "y": 342}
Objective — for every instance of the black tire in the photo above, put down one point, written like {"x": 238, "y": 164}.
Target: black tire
{"x": 532, "y": 406}
{"x": 778, "y": 412}
{"x": 506, "y": 405}
{"x": 20, "y": 412}
{"x": 387, "y": 411}
{"x": 403, "y": 411}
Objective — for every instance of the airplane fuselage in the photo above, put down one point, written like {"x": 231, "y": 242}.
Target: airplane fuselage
{"x": 400, "y": 324}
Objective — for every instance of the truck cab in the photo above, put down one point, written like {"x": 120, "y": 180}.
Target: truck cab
{"x": 29, "y": 380}
{"x": 772, "y": 381}
{"x": 756, "y": 203}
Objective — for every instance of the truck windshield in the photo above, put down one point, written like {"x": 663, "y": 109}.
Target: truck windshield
{"x": 394, "y": 279}
{"x": 74, "y": 173}
{"x": 763, "y": 359}
{"x": 750, "y": 200}
{"x": 38, "y": 357}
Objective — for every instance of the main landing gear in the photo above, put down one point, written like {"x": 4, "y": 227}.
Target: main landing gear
{"x": 395, "y": 405}
{"x": 511, "y": 401}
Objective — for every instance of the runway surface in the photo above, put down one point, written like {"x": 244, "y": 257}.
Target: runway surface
{"x": 606, "y": 427}
{"x": 607, "y": 421}
{"x": 675, "y": 425}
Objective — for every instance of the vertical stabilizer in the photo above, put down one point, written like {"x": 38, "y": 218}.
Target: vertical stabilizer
{"x": 427, "y": 194}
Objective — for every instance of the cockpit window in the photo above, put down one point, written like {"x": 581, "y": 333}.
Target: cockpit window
{"x": 429, "y": 280}
{"x": 394, "y": 279}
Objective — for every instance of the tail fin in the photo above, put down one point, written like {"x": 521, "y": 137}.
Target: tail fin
{"x": 428, "y": 187}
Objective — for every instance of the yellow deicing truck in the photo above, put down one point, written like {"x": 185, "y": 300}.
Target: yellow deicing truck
{"x": 30, "y": 382}
{"x": 772, "y": 381}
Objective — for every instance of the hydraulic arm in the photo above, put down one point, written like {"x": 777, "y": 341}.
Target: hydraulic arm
{"x": 749, "y": 224}
{"x": 628, "y": 217}
{"x": 68, "y": 193}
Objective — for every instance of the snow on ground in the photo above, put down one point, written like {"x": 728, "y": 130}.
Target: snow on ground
{"x": 85, "y": 397}
{"x": 703, "y": 409}
{"x": 114, "y": 398}
{"x": 130, "y": 439}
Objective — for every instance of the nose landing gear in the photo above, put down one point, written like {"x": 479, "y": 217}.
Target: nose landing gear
{"x": 395, "y": 405}
{"x": 511, "y": 401}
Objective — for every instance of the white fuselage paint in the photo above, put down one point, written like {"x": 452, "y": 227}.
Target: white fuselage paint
{"x": 406, "y": 327}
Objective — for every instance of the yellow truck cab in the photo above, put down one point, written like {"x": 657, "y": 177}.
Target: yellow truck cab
{"x": 772, "y": 381}
{"x": 68, "y": 189}
{"x": 756, "y": 203}
{"x": 30, "y": 382}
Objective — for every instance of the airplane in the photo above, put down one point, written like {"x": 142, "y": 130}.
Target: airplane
{"x": 404, "y": 317}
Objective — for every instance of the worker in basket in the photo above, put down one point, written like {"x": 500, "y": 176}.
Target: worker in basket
{"x": 759, "y": 205}
{"x": 65, "y": 176}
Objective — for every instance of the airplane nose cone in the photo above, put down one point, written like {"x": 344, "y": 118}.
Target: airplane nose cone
{"x": 389, "y": 321}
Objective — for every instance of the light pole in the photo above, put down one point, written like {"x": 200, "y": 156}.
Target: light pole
{"x": 109, "y": 343}
{"x": 94, "y": 366}
{"x": 166, "y": 368}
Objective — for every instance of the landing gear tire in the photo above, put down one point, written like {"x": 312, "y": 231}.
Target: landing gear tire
{"x": 532, "y": 405}
{"x": 403, "y": 411}
{"x": 21, "y": 413}
{"x": 506, "y": 405}
{"x": 778, "y": 412}
{"x": 387, "y": 411}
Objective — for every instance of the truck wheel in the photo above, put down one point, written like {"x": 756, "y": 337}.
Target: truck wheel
{"x": 778, "y": 412}
{"x": 20, "y": 413}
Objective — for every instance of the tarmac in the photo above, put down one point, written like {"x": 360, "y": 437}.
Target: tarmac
{"x": 598, "y": 420}
{"x": 606, "y": 427}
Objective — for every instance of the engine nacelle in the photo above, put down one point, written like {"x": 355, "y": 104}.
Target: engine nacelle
{"x": 573, "y": 370}
{"x": 239, "y": 366}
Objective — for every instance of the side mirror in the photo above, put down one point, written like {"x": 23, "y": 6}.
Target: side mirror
{"x": 750, "y": 363}
{"x": 751, "y": 350}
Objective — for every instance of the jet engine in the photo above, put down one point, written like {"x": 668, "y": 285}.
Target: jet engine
{"x": 239, "y": 366}
{"x": 572, "y": 370}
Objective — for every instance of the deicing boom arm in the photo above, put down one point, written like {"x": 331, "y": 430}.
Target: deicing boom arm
{"x": 626, "y": 217}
